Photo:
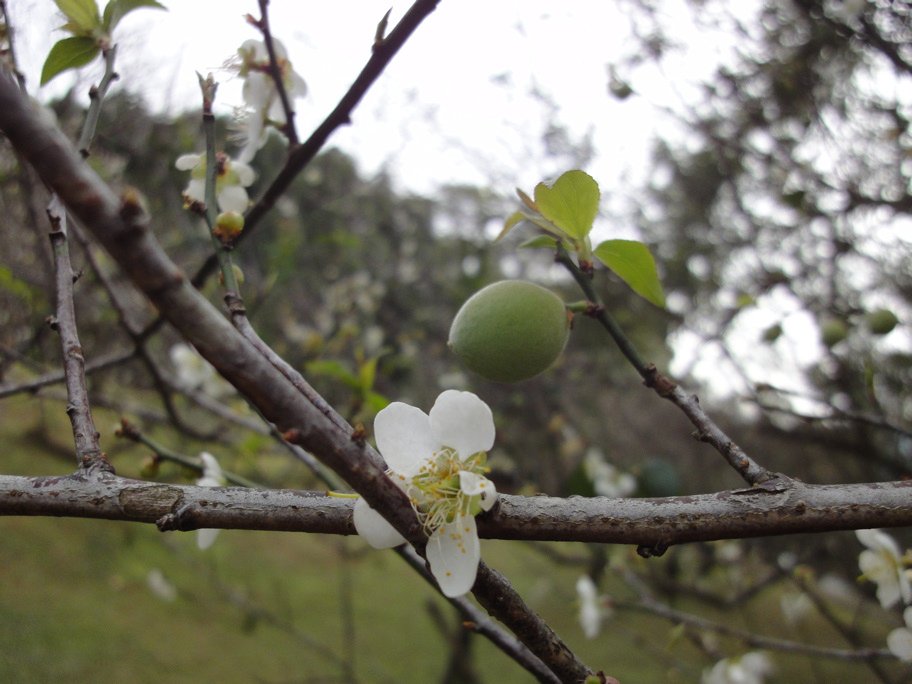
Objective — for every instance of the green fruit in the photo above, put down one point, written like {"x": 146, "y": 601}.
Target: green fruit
{"x": 833, "y": 331}
{"x": 510, "y": 331}
{"x": 881, "y": 321}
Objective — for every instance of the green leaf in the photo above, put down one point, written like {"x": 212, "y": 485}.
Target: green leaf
{"x": 82, "y": 15}
{"x": 116, "y": 10}
{"x": 571, "y": 203}
{"x": 336, "y": 370}
{"x": 68, "y": 53}
{"x": 367, "y": 373}
{"x": 540, "y": 242}
{"x": 633, "y": 263}
{"x": 376, "y": 401}
{"x": 512, "y": 221}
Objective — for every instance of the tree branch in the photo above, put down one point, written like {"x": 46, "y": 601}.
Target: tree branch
{"x": 656, "y": 523}
{"x": 85, "y": 437}
{"x": 122, "y": 228}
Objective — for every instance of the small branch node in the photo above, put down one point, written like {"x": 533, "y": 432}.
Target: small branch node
{"x": 658, "y": 382}
{"x": 183, "y": 519}
{"x": 293, "y": 435}
{"x": 359, "y": 435}
{"x": 652, "y": 550}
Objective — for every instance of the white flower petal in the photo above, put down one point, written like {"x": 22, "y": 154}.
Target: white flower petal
{"x": 453, "y": 552}
{"x": 253, "y": 50}
{"x": 473, "y": 484}
{"x": 374, "y": 528}
{"x": 591, "y": 612}
{"x": 245, "y": 174}
{"x": 462, "y": 421}
{"x": 233, "y": 198}
{"x": 257, "y": 92}
{"x": 196, "y": 189}
{"x": 187, "y": 162}
{"x": 211, "y": 470}
{"x": 899, "y": 641}
{"x": 298, "y": 86}
{"x": 205, "y": 538}
{"x": 878, "y": 540}
{"x": 403, "y": 435}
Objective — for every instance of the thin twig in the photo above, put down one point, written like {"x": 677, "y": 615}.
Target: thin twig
{"x": 99, "y": 364}
{"x": 88, "y": 451}
{"x": 482, "y": 624}
{"x": 275, "y": 71}
{"x": 130, "y": 431}
{"x": 96, "y": 96}
{"x": 846, "y": 631}
{"x": 707, "y": 430}
{"x": 754, "y": 640}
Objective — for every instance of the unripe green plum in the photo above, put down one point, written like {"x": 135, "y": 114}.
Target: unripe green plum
{"x": 511, "y": 330}
{"x": 881, "y": 321}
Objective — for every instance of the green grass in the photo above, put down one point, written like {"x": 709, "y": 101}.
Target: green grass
{"x": 75, "y": 605}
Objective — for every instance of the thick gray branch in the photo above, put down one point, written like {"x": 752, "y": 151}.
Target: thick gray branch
{"x": 655, "y": 523}
{"x": 120, "y": 226}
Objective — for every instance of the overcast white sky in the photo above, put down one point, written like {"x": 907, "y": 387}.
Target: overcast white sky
{"x": 453, "y": 106}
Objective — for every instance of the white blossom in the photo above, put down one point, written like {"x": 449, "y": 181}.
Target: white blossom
{"x": 439, "y": 460}
{"x": 212, "y": 477}
{"x": 881, "y": 563}
{"x": 231, "y": 180}
{"x": 751, "y": 668}
{"x": 606, "y": 479}
{"x": 591, "y": 608}
{"x": 899, "y": 641}
{"x": 796, "y": 607}
{"x": 195, "y": 373}
{"x": 260, "y": 93}
{"x": 160, "y": 586}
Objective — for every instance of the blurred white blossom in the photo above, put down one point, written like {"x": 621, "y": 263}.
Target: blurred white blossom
{"x": 592, "y": 610}
{"x": 212, "y": 477}
{"x": 160, "y": 586}
{"x": 795, "y": 607}
{"x": 881, "y": 562}
{"x": 606, "y": 479}
{"x": 751, "y": 668}
{"x": 899, "y": 641}
{"x": 195, "y": 373}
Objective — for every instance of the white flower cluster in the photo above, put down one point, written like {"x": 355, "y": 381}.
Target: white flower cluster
{"x": 264, "y": 106}
{"x": 439, "y": 461}
{"x": 262, "y": 109}
{"x": 231, "y": 180}
{"x": 883, "y": 563}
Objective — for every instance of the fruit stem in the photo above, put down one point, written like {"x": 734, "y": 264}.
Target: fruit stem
{"x": 584, "y": 280}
